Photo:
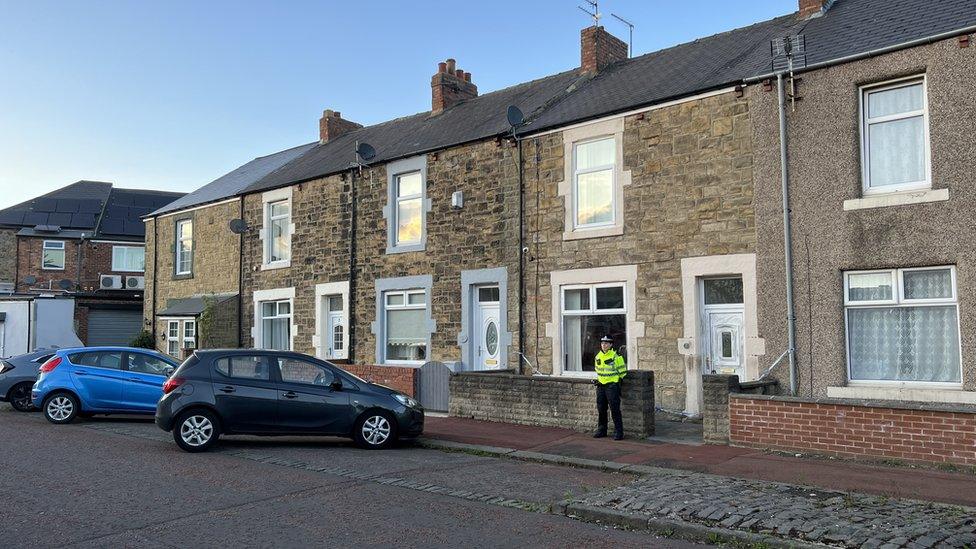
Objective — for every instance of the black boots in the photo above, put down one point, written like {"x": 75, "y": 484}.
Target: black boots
{"x": 618, "y": 435}
{"x": 600, "y": 433}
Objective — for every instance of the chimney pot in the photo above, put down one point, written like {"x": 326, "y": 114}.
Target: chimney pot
{"x": 459, "y": 73}
{"x": 450, "y": 65}
{"x": 449, "y": 86}
{"x": 467, "y": 77}
{"x": 442, "y": 67}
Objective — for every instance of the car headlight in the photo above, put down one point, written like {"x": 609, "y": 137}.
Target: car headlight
{"x": 406, "y": 401}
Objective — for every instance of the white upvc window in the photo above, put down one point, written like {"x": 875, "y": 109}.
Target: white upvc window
{"x": 184, "y": 247}
{"x": 52, "y": 255}
{"x": 129, "y": 259}
{"x": 405, "y": 330}
{"x": 276, "y": 325}
{"x": 279, "y": 234}
{"x": 408, "y": 208}
{"x": 173, "y": 338}
{"x": 895, "y": 136}
{"x": 590, "y": 312}
{"x": 594, "y": 196}
{"x": 903, "y": 326}
{"x": 189, "y": 334}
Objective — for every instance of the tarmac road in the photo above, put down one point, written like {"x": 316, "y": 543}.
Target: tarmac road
{"x": 121, "y": 482}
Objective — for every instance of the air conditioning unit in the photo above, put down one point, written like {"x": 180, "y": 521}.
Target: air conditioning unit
{"x": 135, "y": 282}
{"x": 110, "y": 282}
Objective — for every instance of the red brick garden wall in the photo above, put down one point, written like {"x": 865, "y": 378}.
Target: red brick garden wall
{"x": 862, "y": 431}
{"x": 401, "y": 378}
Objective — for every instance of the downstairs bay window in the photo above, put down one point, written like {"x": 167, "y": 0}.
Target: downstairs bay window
{"x": 590, "y": 312}
{"x": 903, "y": 326}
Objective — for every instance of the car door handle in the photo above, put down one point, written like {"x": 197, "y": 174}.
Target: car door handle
{"x": 80, "y": 373}
{"x": 227, "y": 389}
{"x": 289, "y": 394}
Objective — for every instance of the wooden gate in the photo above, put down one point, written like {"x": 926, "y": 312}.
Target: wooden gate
{"x": 434, "y": 386}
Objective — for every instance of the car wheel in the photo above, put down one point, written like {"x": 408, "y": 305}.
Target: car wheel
{"x": 61, "y": 408}
{"x": 20, "y": 397}
{"x": 196, "y": 430}
{"x": 375, "y": 431}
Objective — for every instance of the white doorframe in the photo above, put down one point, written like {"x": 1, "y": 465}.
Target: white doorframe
{"x": 320, "y": 339}
{"x": 481, "y": 358}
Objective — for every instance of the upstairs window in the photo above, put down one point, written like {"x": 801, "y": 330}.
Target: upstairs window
{"x": 409, "y": 209}
{"x": 593, "y": 189}
{"x": 184, "y": 247}
{"x": 52, "y": 256}
{"x": 279, "y": 241}
{"x": 129, "y": 259}
{"x": 903, "y": 325}
{"x": 895, "y": 140}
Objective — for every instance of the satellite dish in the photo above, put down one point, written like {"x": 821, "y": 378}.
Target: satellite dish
{"x": 238, "y": 226}
{"x": 515, "y": 117}
{"x": 30, "y": 279}
{"x": 365, "y": 152}
{"x": 65, "y": 284}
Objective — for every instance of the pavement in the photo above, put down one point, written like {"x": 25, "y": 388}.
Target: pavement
{"x": 122, "y": 482}
{"x": 683, "y": 453}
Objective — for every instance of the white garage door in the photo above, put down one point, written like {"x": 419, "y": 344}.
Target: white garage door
{"x": 113, "y": 327}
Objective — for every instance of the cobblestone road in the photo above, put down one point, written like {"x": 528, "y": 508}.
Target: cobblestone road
{"x": 793, "y": 512}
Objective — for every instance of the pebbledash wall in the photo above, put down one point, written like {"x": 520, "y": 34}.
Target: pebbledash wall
{"x": 216, "y": 268}
{"x": 834, "y": 230}
{"x": 686, "y": 192}
{"x": 841, "y": 427}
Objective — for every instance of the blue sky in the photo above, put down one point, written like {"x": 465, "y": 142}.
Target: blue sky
{"x": 171, "y": 95}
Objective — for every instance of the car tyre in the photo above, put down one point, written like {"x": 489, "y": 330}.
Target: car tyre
{"x": 20, "y": 397}
{"x": 196, "y": 430}
{"x": 376, "y": 430}
{"x": 61, "y": 408}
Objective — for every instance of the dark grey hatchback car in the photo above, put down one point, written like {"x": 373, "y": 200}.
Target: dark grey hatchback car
{"x": 254, "y": 392}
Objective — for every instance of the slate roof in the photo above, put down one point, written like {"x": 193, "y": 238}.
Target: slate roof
{"x": 93, "y": 207}
{"x": 849, "y": 27}
{"x": 236, "y": 181}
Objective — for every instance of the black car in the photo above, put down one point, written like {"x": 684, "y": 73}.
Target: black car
{"x": 254, "y": 392}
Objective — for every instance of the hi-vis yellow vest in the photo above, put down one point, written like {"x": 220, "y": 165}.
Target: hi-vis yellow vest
{"x": 610, "y": 367}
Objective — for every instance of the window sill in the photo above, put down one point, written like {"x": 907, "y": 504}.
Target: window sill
{"x": 406, "y": 248}
{"x": 897, "y": 199}
{"x": 579, "y": 234}
{"x": 277, "y": 265}
{"x": 906, "y": 392}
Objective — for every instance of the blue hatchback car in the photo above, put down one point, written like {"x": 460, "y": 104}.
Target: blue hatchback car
{"x": 100, "y": 380}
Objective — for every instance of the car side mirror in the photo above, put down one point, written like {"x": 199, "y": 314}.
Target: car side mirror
{"x": 336, "y": 385}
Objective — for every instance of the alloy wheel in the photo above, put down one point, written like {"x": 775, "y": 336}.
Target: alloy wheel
{"x": 60, "y": 408}
{"x": 196, "y": 430}
{"x": 376, "y": 430}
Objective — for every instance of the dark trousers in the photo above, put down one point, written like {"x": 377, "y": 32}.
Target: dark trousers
{"x": 609, "y": 394}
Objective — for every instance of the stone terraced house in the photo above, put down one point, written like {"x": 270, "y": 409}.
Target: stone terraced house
{"x": 646, "y": 206}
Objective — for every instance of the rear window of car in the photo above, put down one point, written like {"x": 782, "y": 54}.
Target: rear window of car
{"x": 244, "y": 367}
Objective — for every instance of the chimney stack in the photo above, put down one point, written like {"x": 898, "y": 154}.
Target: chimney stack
{"x": 332, "y": 125}
{"x": 810, "y": 7}
{"x": 599, "y": 49}
{"x": 449, "y": 86}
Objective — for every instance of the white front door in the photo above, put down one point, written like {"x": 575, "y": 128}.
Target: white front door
{"x": 335, "y": 331}
{"x": 487, "y": 338}
{"x": 724, "y": 352}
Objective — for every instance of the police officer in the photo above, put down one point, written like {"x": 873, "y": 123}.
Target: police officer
{"x": 610, "y": 370}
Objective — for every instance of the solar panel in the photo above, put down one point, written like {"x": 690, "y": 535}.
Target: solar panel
{"x": 112, "y": 226}
{"x": 44, "y": 205}
{"x": 89, "y": 206}
{"x": 35, "y": 218}
{"x": 12, "y": 218}
{"x": 67, "y": 206}
{"x": 82, "y": 221}
{"x": 59, "y": 218}
{"x": 134, "y": 228}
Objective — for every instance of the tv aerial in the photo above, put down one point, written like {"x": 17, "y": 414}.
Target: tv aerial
{"x": 630, "y": 26}
{"x": 593, "y": 12}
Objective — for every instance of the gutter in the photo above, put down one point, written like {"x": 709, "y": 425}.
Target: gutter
{"x": 871, "y": 53}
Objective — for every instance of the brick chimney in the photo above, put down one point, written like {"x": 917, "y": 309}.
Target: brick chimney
{"x": 332, "y": 125}
{"x": 810, "y": 7}
{"x": 449, "y": 86}
{"x": 599, "y": 49}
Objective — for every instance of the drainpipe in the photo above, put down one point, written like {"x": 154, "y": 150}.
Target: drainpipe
{"x": 521, "y": 255}
{"x": 240, "y": 281}
{"x": 787, "y": 233}
{"x": 351, "y": 313}
{"x": 155, "y": 281}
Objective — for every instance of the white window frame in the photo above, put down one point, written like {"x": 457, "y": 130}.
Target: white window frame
{"x": 171, "y": 326}
{"x": 125, "y": 250}
{"x": 386, "y": 307}
{"x": 272, "y": 217}
{"x": 591, "y": 311}
{"x": 898, "y": 300}
{"x": 865, "y": 122}
{"x": 189, "y": 336}
{"x": 262, "y": 296}
{"x": 397, "y": 242}
{"x": 613, "y": 184}
{"x": 394, "y": 170}
{"x": 60, "y": 248}
{"x": 268, "y": 198}
{"x": 180, "y": 238}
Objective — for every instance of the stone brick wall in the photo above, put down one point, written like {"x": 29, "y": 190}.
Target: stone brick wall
{"x": 913, "y": 433}
{"x": 401, "y": 378}
{"x": 715, "y": 413}
{"x": 216, "y": 261}
{"x": 8, "y": 255}
{"x": 691, "y": 194}
{"x": 549, "y": 401}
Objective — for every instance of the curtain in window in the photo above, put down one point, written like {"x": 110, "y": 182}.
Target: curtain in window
{"x": 582, "y": 338}
{"x": 280, "y": 247}
{"x": 594, "y": 198}
{"x": 277, "y": 334}
{"x": 904, "y": 343}
{"x": 897, "y": 151}
{"x": 928, "y": 284}
{"x": 406, "y": 335}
